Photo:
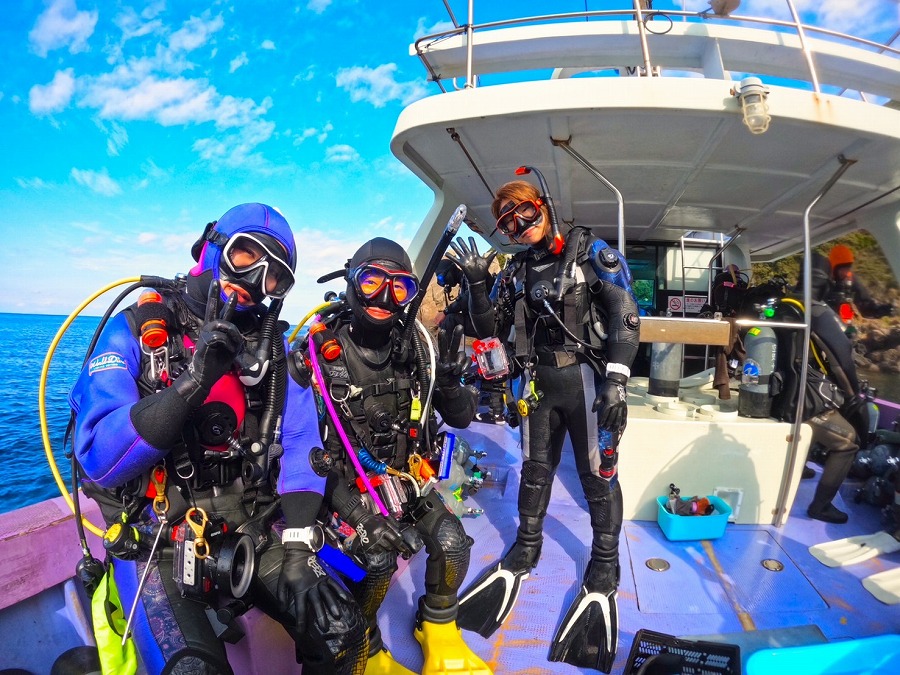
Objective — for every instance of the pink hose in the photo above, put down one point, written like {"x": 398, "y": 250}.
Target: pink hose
{"x": 323, "y": 388}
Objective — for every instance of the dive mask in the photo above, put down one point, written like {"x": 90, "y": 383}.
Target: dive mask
{"x": 370, "y": 280}
{"x": 256, "y": 262}
{"x": 521, "y": 217}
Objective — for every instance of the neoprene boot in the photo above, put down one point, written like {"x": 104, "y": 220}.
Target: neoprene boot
{"x": 443, "y": 648}
{"x": 837, "y": 466}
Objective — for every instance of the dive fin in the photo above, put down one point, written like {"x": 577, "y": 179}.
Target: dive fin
{"x": 383, "y": 663}
{"x": 589, "y": 634}
{"x": 885, "y": 586}
{"x": 852, "y": 550}
{"x": 484, "y": 605}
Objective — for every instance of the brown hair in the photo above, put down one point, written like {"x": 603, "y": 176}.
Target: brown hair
{"x": 517, "y": 191}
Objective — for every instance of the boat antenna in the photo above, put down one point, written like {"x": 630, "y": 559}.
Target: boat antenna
{"x": 558, "y": 243}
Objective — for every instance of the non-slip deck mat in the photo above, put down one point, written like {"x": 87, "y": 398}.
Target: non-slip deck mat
{"x": 730, "y": 572}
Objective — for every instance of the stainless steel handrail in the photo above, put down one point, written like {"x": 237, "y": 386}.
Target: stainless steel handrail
{"x": 795, "y": 27}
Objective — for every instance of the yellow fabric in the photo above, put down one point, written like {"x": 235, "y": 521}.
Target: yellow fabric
{"x": 383, "y": 663}
{"x": 109, "y": 623}
{"x": 446, "y": 653}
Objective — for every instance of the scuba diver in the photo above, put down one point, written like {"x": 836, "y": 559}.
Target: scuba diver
{"x": 833, "y": 407}
{"x": 373, "y": 375}
{"x": 197, "y": 448}
{"x": 576, "y": 334}
{"x": 846, "y": 287}
{"x": 456, "y": 312}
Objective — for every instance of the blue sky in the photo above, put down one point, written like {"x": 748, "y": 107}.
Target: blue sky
{"x": 129, "y": 125}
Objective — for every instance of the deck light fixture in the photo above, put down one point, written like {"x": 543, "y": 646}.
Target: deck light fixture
{"x": 752, "y": 95}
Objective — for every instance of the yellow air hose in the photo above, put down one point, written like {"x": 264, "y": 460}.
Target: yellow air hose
{"x": 310, "y": 314}
{"x": 42, "y": 406}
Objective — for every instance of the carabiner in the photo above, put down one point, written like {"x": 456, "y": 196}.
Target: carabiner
{"x": 158, "y": 479}
{"x": 201, "y": 548}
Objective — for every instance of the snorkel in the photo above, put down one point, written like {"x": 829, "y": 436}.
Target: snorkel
{"x": 449, "y": 232}
{"x": 558, "y": 243}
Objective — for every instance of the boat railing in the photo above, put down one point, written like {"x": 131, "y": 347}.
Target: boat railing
{"x": 651, "y": 42}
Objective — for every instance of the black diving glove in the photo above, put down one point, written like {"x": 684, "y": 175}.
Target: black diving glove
{"x": 218, "y": 344}
{"x": 375, "y": 533}
{"x": 451, "y": 360}
{"x": 470, "y": 262}
{"x": 304, "y": 585}
{"x": 612, "y": 402}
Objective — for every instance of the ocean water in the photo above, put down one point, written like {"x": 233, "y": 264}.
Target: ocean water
{"x": 25, "y": 340}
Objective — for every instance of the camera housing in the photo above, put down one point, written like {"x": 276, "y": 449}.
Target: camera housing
{"x": 221, "y": 565}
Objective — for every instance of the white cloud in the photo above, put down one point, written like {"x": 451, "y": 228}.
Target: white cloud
{"x": 318, "y": 6}
{"x": 341, "y": 153}
{"x": 267, "y": 45}
{"x": 153, "y": 175}
{"x": 135, "y": 25}
{"x": 306, "y": 133}
{"x": 98, "y": 181}
{"x": 128, "y": 94}
{"x": 304, "y": 76}
{"x": 62, "y": 25}
{"x": 312, "y": 132}
{"x": 325, "y": 131}
{"x": 238, "y": 61}
{"x": 195, "y": 33}
{"x": 53, "y": 97}
{"x": 378, "y": 86}
{"x": 32, "y": 183}
{"x": 236, "y": 150}
{"x": 438, "y": 27}
{"x": 117, "y": 138}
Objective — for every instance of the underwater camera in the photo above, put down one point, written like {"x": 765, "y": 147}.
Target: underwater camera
{"x": 211, "y": 560}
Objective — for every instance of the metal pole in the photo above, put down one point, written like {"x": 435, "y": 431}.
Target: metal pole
{"x": 603, "y": 179}
{"x": 470, "y": 34}
{"x": 642, "y": 31}
{"x": 804, "y": 47}
{"x": 780, "y": 512}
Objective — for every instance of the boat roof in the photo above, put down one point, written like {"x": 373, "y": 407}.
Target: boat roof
{"x": 568, "y": 98}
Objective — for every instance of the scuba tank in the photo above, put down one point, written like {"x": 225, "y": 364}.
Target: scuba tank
{"x": 755, "y": 398}
{"x": 665, "y": 368}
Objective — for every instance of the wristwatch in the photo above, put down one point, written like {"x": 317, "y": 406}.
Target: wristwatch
{"x": 312, "y": 536}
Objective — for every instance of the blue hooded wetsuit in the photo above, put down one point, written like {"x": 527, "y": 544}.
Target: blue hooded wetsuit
{"x": 132, "y": 421}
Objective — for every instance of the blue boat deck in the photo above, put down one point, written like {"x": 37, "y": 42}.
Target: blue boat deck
{"x": 715, "y": 589}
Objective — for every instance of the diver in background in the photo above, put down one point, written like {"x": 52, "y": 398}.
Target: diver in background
{"x": 456, "y": 313}
{"x": 205, "y": 421}
{"x": 379, "y": 388}
{"x": 846, "y": 287}
{"x": 833, "y": 407}
{"x": 576, "y": 332}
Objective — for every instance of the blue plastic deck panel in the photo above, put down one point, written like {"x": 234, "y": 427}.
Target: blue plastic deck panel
{"x": 712, "y": 588}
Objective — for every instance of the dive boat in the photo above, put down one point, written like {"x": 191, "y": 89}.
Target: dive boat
{"x": 690, "y": 142}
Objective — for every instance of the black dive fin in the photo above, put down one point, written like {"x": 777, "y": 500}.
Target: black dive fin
{"x": 589, "y": 634}
{"x": 484, "y": 605}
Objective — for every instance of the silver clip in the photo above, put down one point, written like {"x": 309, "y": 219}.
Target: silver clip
{"x": 159, "y": 361}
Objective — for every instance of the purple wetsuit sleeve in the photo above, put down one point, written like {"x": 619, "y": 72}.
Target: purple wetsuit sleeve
{"x": 110, "y": 450}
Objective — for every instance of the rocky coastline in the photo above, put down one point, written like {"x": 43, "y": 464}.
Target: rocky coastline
{"x": 878, "y": 344}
